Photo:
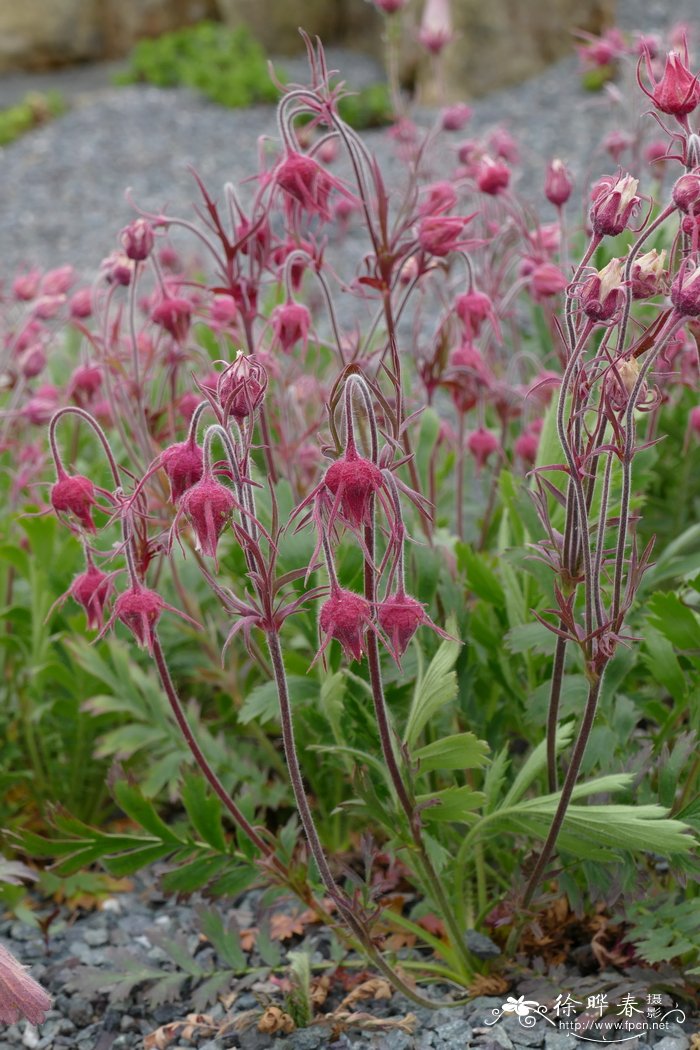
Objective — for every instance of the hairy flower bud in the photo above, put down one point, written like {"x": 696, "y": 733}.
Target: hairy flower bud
{"x": 305, "y": 182}
{"x": 183, "y": 464}
{"x": 139, "y": 609}
{"x": 436, "y": 26}
{"x": 454, "y": 117}
{"x": 400, "y": 616}
{"x": 345, "y": 616}
{"x": 437, "y": 198}
{"x": 677, "y": 92}
{"x": 352, "y": 481}
{"x": 686, "y": 193}
{"x": 547, "y": 280}
{"x": 290, "y": 323}
{"x": 241, "y": 387}
{"x": 174, "y": 314}
{"x": 557, "y": 183}
{"x": 603, "y": 293}
{"x": 26, "y": 285}
{"x": 91, "y": 589}
{"x": 75, "y": 494}
{"x": 85, "y": 381}
{"x": 620, "y": 381}
{"x": 685, "y": 291}
{"x": 614, "y": 201}
{"x": 208, "y": 504}
{"x": 492, "y": 176}
{"x": 137, "y": 240}
{"x": 80, "y": 305}
{"x": 440, "y": 234}
{"x": 526, "y": 445}
{"x": 482, "y": 444}
{"x": 647, "y": 276}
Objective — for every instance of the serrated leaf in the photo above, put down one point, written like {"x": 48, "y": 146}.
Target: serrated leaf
{"x": 269, "y": 951}
{"x": 226, "y": 940}
{"x": 208, "y": 992}
{"x": 674, "y": 620}
{"x": 261, "y": 705}
{"x": 434, "y": 688}
{"x": 454, "y": 804}
{"x": 194, "y": 875}
{"x": 460, "y": 751}
{"x": 204, "y": 810}
{"x": 536, "y": 763}
{"x": 141, "y": 811}
{"x": 480, "y": 577}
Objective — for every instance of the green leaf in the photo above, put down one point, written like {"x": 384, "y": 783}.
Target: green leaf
{"x": 434, "y": 688}
{"x": 129, "y": 797}
{"x": 536, "y": 763}
{"x": 226, "y": 941}
{"x": 481, "y": 579}
{"x": 460, "y": 751}
{"x": 495, "y": 779}
{"x": 195, "y": 874}
{"x": 453, "y": 804}
{"x": 261, "y": 705}
{"x": 674, "y": 620}
{"x": 204, "y": 810}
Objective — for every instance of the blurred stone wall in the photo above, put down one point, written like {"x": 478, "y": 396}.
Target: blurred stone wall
{"x": 498, "y": 42}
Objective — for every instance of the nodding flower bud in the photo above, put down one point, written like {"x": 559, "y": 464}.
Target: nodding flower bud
{"x": 441, "y": 234}
{"x": 20, "y": 995}
{"x": 139, "y": 609}
{"x": 208, "y": 504}
{"x": 305, "y": 182}
{"x": 546, "y": 280}
{"x": 290, "y": 323}
{"x": 603, "y": 293}
{"x": 118, "y": 269}
{"x": 174, "y": 314}
{"x": 648, "y": 273}
{"x": 482, "y": 444}
{"x": 352, "y": 481}
{"x": 137, "y": 240}
{"x": 475, "y": 307}
{"x": 33, "y": 361}
{"x": 557, "y": 183}
{"x": 85, "y": 382}
{"x": 58, "y": 281}
{"x": 241, "y": 387}
{"x": 400, "y": 616}
{"x": 686, "y": 193}
{"x": 492, "y": 176}
{"x": 80, "y": 305}
{"x": 616, "y": 143}
{"x": 345, "y": 616}
{"x": 677, "y": 93}
{"x": 437, "y": 198}
{"x": 614, "y": 201}
{"x": 91, "y": 589}
{"x": 26, "y": 285}
{"x": 183, "y": 464}
{"x": 685, "y": 290}
{"x": 454, "y": 117}
{"x": 526, "y": 445}
{"x": 75, "y": 494}
{"x": 620, "y": 381}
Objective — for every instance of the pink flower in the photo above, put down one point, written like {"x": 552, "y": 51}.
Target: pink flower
{"x": 80, "y": 305}
{"x": 26, "y": 285}
{"x": 352, "y": 481}
{"x": 20, "y": 995}
{"x": 685, "y": 291}
{"x": 440, "y": 234}
{"x": 557, "y": 183}
{"x": 648, "y": 273}
{"x": 208, "y": 504}
{"x": 614, "y": 200}
{"x": 74, "y": 494}
{"x": 58, "y": 281}
{"x": 174, "y": 314}
{"x": 616, "y": 142}
{"x": 345, "y": 616}
{"x": 603, "y": 293}
{"x": 436, "y": 26}
{"x": 526, "y": 446}
{"x": 454, "y": 117}
{"x": 85, "y": 382}
{"x": 139, "y": 609}
{"x": 290, "y": 323}
{"x": 241, "y": 387}
{"x": 547, "y": 280}
{"x": 482, "y": 444}
{"x": 492, "y": 176}
{"x": 137, "y": 240}
{"x": 389, "y": 7}
{"x": 183, "y": 464}
{"x": 475, "y": 307}
{"x": 678, "y": 91}
{"x": 400, "y": 616}
{"x": 438, "y": 197}
{"x": 686, "y": 193}
{"x": 91, "y": 589}
{"x": 305, "y": 182}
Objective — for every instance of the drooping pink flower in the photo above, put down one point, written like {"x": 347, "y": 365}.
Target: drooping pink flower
{"x": 345, "y": 616}
{"x": 454, "y": 117}
{"x": 437, "y": 198}
{"x": 685, "y": 290}
{"x": 183, "y": 464}
{"x": 42, "y": 405}
{"x": 117, "y": 269}
{"x": 400, "y": 616}
{"x": 80, "y": 305}
{"x": 290, "y": 324}
{"x": 686, "y": 193}
{"x": 475, "y": 307}
{"x": 208, "y": 505}
{"x": 547, "y": 280}
{"x": 84, "y": 383}
{"x": 33, "y": 361}
{"x": 91, "y": 589}
{"x": 492, "y": 176}
{"x": 648, "y": 274}
{"x": 58, "y": 281}
{"x": 602, "y": 294}
{"x": 502, "y": 144}
{"x": 74, "y": 494}
{"x": 308, "y": 184}
{"x": 441, "y": 234}
{"x": 20, "y": 995}
{"x": 26, "y": 285}
{"x": 173, "y": 313}
{"x": 677, "y": 92}
{"x": 353, "y": 481}
{"x": 617, "y": 142}
{"x": 526, "y": 445}
{"x": 389, "y": 7}
{"x": 614, "y": 201}
{"x": 482, "y": 444}
{"x": 139, "y": 609}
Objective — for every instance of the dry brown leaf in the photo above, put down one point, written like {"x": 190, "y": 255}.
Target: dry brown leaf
{"x": 248, "y": 938}
{"x": 283, "y": 926}
{"x": 319, "y": 990}
{"x": 275, "y": 1020}
{"x": 374, "y": 988}
{"x": 341, "y": 1019}
{"x": 695, "y": 1042}
{"x": 489, "y": 984}
{"x": 193, "y": 1024}
{"x": 432, "y": 924}
{"x": 393, "y": 942}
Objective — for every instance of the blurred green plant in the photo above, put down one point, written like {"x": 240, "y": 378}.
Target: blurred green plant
{"x": 34, "y": 110}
